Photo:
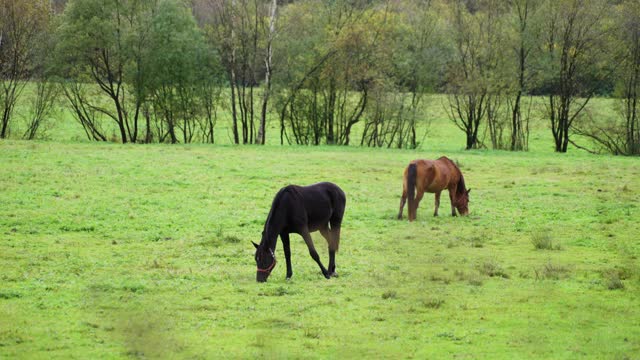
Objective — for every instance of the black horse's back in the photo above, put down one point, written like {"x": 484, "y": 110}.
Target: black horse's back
{"x": 324, "y": 204}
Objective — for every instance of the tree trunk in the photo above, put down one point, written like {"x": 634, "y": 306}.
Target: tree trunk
{"x": 267, "y": 77}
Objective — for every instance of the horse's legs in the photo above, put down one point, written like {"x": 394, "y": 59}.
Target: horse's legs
{"x": 328, "y": 234}
{"x": 452, "y": 197}
{"x": 335, "y": 221}
{"x": 435, "y": 213}
{"x": 403, "y": 200}
{"x": 287, "y": 253}
{"x": 335, "y": 235}
{"x": 312, "y": 251}
{"x": 416, "y": 203}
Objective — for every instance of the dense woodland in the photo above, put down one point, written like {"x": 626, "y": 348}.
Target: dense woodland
{"x": 166, "y": 70}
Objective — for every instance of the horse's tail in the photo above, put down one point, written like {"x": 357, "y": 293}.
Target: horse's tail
{"x": 411, "y": 190}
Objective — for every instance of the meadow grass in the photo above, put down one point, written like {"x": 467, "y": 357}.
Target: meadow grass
{"x": 116, "y": 251}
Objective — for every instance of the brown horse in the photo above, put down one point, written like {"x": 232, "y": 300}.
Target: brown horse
{"x": 433, "y": 176}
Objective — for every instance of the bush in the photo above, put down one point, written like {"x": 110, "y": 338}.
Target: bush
{"x": 614, "y": 283}
{"x": 432, "y": 303}
{"x": 543, "y": 241}
{"x": 389, "y": 295}
{"x": 492, "y": 269}
{"x": 551, "y": 271}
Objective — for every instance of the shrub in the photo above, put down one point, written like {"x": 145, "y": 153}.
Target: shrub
{"x": 492, "y": 269}
{"x": 551, "y": 271}
{"x": 543, "y": 241}
{"x": 389, "y": 294}
{"x": 433, "y": 303}
{"x": 614, "y": 283}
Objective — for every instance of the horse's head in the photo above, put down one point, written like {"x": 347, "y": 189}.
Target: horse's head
{"x": 462, "y": 202}
{"x": 265, "y": 261}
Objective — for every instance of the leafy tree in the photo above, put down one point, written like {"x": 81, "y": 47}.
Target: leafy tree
{"x": 329, "y": 74}
{"x": 176, "y": 66}
{"x": 93, "y": 43}
{"x": 148, "y": 59}
{"x": 22, "y": 23}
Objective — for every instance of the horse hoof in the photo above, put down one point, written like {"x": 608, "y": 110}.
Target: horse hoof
{"x": 334, "y": 274}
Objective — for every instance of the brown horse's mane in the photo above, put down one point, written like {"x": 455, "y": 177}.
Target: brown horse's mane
{"x": 461, "y": 188}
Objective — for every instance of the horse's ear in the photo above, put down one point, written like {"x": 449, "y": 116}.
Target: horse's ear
{"x": 468, "y": 191}
{"x": 254, "y": 244}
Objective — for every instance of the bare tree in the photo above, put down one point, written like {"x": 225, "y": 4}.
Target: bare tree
{"x": 77, "y": 95}
{"x": 240, "y": 30}
{"x": 42, "y": 105}
{"x": 474, "y": 73}
{"x": 419, "y": 59}
{"x": 574, "y": 45}
{"x": 268, "y": 62}
{"x": 390, "y": 120}
{"x": 621, "y": 136}
{"x": 525, "y": 44}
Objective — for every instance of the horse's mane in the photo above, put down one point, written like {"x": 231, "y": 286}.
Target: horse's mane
{"x": 276, "y": 201}
{"x": 274, "y": 205}
{"x": 461, "y": 188}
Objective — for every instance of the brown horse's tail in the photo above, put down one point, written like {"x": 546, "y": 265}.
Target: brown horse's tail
{"x": 411, "y": 190}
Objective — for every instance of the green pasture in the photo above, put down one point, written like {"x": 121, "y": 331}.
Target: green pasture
{"x": 118, "y": 251}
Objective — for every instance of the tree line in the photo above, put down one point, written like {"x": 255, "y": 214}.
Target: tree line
{"x": 162, "y": 70}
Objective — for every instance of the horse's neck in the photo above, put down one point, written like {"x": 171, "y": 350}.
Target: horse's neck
{"x": 272, "y": 228}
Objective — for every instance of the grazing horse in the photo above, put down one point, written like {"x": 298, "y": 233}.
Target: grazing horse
{"x": 433, "y": 176}
{"x": 301, "y": 210}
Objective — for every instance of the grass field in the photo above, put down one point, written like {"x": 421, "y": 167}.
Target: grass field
{"x": 116, "y": 251}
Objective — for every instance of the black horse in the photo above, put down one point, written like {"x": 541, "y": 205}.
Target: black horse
{"x": 301, "y": 210}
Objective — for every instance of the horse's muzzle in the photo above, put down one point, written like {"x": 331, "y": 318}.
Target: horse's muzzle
{"x": 261, "y": 276}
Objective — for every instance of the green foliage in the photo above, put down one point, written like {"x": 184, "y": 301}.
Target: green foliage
{"x": 157, "y": 72}
{"x": 148, "y": 59}
{"x": 176, "y": 51}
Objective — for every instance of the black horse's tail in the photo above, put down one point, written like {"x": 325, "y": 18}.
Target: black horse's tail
{"x": 411, "y": 190}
